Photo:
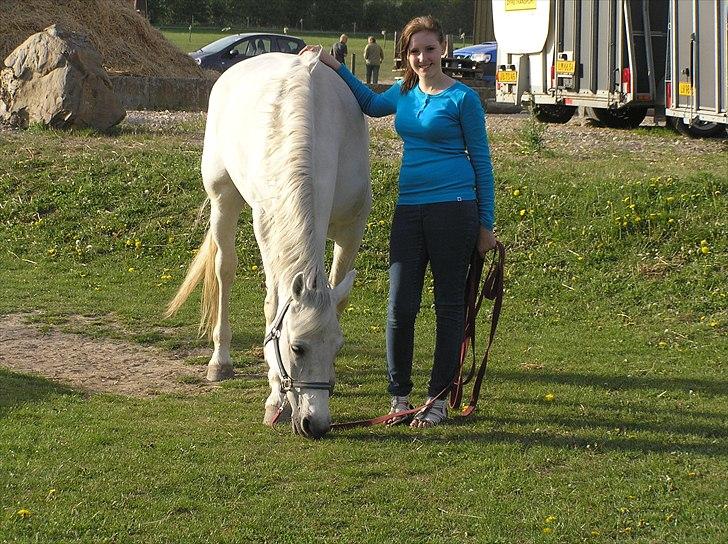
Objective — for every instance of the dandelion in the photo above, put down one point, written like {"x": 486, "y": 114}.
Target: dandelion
{"x": 382, "y": 222}
{"x": 254, "y": 268}
{"x": 131, "y": 269}
{"x": 547, "y": 530}
{"x": 550, "y": 519}
{"x": 522, "y": 213}
{"x": 516, "y": 192}
{"x": 137, "y": 244}
{"x": 549, "y": 397}
{"x": 24, "y": 513}
{"x": 704, "y": 250}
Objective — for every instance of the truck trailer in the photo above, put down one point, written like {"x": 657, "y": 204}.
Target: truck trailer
{"x": 696, "y": 76}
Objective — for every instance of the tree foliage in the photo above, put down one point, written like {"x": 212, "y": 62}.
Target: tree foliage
{"x": 339, "y": 15}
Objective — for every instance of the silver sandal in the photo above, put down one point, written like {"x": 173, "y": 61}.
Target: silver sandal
{"x": 399, "y": 404}
{"x": 432, "y": 415}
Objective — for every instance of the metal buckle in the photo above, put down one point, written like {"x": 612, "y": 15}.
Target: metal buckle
{"x": 286, "y": 384}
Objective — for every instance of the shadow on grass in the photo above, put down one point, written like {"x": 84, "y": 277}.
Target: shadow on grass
{"x": 453, "y": 431}
{"x": 18, "y": 389}
{"x": 714, "y": 387}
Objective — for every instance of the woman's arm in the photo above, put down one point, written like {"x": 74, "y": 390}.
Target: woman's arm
{"x": 371, "y": 103}
{"x": 472, "y": 119}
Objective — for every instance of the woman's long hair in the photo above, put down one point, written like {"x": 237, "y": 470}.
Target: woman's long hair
{"x": 418, "y": 24}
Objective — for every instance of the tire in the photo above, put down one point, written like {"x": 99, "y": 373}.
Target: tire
{"x": 622, "y": 118}
{"x": 699, "y": 129}
{"x": 553, "y": 113}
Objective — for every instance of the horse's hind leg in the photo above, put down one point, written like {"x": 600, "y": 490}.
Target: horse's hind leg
{"x": 225, "y": 206}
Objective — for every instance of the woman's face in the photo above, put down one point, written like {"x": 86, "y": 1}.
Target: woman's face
{"x": 424, "y": 54}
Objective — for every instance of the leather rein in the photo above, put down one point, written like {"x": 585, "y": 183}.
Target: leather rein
{"x": 492, "y": 289}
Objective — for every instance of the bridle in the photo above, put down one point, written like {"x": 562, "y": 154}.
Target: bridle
{"x": 287, "y": 382}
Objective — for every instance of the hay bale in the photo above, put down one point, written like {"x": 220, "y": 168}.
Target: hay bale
{"x": 128, "y": 44}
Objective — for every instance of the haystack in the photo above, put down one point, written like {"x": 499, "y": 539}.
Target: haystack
{"x": 128, "y": 44}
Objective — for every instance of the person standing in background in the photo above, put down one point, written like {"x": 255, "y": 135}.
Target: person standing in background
{"x": 373, "y": 57}
{"x": 339, "y": 49}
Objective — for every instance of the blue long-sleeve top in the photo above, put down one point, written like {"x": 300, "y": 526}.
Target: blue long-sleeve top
{"x": 446, "y": 156}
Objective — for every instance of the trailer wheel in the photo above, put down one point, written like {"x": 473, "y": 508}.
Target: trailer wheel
{"x": 553, "y": 113}
{"x": 699, "y": 129}
{"x": 622, "y": 118}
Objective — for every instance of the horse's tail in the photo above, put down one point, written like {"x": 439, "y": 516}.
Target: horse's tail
{"x": 201, "y": 269}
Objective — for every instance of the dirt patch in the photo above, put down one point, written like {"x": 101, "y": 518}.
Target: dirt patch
{"x": 128, "y": 44}
{"x": 95, "y": 365}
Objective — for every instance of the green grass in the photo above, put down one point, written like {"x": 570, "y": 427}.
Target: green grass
{"x": 200, "y": 37}
{"x": 612, "y": 307}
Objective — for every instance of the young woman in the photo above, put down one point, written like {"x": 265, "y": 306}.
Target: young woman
{"x": 445, "y": 207}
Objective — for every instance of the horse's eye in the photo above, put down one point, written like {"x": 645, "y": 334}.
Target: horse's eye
{"x": 298, "y": 349}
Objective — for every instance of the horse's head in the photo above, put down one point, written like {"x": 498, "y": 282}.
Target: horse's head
{"x": 303, "y": 350}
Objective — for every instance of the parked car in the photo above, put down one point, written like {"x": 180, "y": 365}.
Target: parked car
{"x": 483, "y": 52}
{"x": 225, "y": 52}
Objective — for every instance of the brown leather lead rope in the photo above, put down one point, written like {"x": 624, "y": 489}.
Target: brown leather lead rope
{"x": 493, "y": 290}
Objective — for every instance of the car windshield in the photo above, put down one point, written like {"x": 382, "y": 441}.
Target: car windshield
{"x": 219, "y": 45}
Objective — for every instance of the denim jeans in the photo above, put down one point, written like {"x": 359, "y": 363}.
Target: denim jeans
{"x": 443, "y": 235}
{"x": 372, "y": 72}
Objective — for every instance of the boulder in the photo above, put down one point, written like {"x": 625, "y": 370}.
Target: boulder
{"x": 56, "y": 78}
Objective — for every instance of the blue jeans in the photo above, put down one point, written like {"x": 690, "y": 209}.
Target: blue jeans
{"x": 444, "y": 235}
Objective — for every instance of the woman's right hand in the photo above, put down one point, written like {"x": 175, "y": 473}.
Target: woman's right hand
{"x": 324, "y": 56}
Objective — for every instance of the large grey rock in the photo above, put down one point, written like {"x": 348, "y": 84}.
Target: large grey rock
{"x": 56, "y": 78}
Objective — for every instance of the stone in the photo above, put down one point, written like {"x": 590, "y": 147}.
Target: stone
{"x": 56, "y": 78}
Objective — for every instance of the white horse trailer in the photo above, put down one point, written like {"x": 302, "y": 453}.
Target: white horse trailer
{"x": 555, "y": 55}
{"x": 696, "y": 74}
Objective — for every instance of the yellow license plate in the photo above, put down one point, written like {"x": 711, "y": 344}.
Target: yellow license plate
{"x": 565, "y": 66}
{"x": 507, "y": 76}
{"x": 685, "y": 89}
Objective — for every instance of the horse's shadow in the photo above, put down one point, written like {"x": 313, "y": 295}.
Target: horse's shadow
{"x": 19, "y": 389}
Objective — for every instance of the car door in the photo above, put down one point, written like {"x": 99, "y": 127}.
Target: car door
{"x": 288, "y": 45}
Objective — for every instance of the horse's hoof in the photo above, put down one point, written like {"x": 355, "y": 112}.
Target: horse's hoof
{"x": 272, "y": 411}
{"x": 216, "y": 373}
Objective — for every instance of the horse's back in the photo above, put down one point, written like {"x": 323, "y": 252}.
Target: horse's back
{"x": 258, "y": 105}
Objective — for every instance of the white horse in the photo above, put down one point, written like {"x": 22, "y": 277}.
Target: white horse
{"x": 284, "y": 134}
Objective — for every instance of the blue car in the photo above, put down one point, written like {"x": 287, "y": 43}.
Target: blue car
{"x": 482, "y": 52}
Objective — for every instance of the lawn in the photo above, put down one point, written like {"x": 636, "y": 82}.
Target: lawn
{"x": 603, "y": 416}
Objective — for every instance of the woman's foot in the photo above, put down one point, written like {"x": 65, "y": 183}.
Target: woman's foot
{"x": 433, "y": 415}
{"x": 399, "y": 404}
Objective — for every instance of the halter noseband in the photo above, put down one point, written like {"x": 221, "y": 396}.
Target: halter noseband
{"x": 287, "y": 382}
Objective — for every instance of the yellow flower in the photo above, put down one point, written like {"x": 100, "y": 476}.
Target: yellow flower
{"x": 516, "y": 192}
{"x": 547, "y": 530}
{"x": 24, "y": 513}
{"x": 132, "y": 269}
{"x": 51, "y": 494}
{"x": 138, "y": 244}
{"x": 550, "y": 519}
{"x": 254, "y": 268}
{"x": 704, "y": 250}
{"x": 549, "y": 397}
{"x": 703, "y": 242}
{"x": 522, "y": 213}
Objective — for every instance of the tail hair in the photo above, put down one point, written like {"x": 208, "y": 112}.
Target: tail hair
{"x": 201, "y": 269}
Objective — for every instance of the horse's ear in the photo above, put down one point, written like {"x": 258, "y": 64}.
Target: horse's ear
{"x": 341, "y": 291}
{"x": 297, "y": 287}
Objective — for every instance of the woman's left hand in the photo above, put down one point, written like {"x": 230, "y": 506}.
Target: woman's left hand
{"x": 486, "y": 241}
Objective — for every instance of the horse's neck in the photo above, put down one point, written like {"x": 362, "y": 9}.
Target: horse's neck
{"x": 291, "y": 244}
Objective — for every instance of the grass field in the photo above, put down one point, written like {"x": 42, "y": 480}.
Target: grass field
{"x": 200, "y": 37}
{"x": 604, "y": 415}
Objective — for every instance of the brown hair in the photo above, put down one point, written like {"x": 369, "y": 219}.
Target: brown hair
{"x": 418, "y": 24}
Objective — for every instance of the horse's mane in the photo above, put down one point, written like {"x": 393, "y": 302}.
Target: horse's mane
{"x": 289, "y": 225}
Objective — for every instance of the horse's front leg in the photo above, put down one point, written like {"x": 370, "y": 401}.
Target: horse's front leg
{"x": 225, "y": 209}
{"x": 274, "y": 402}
